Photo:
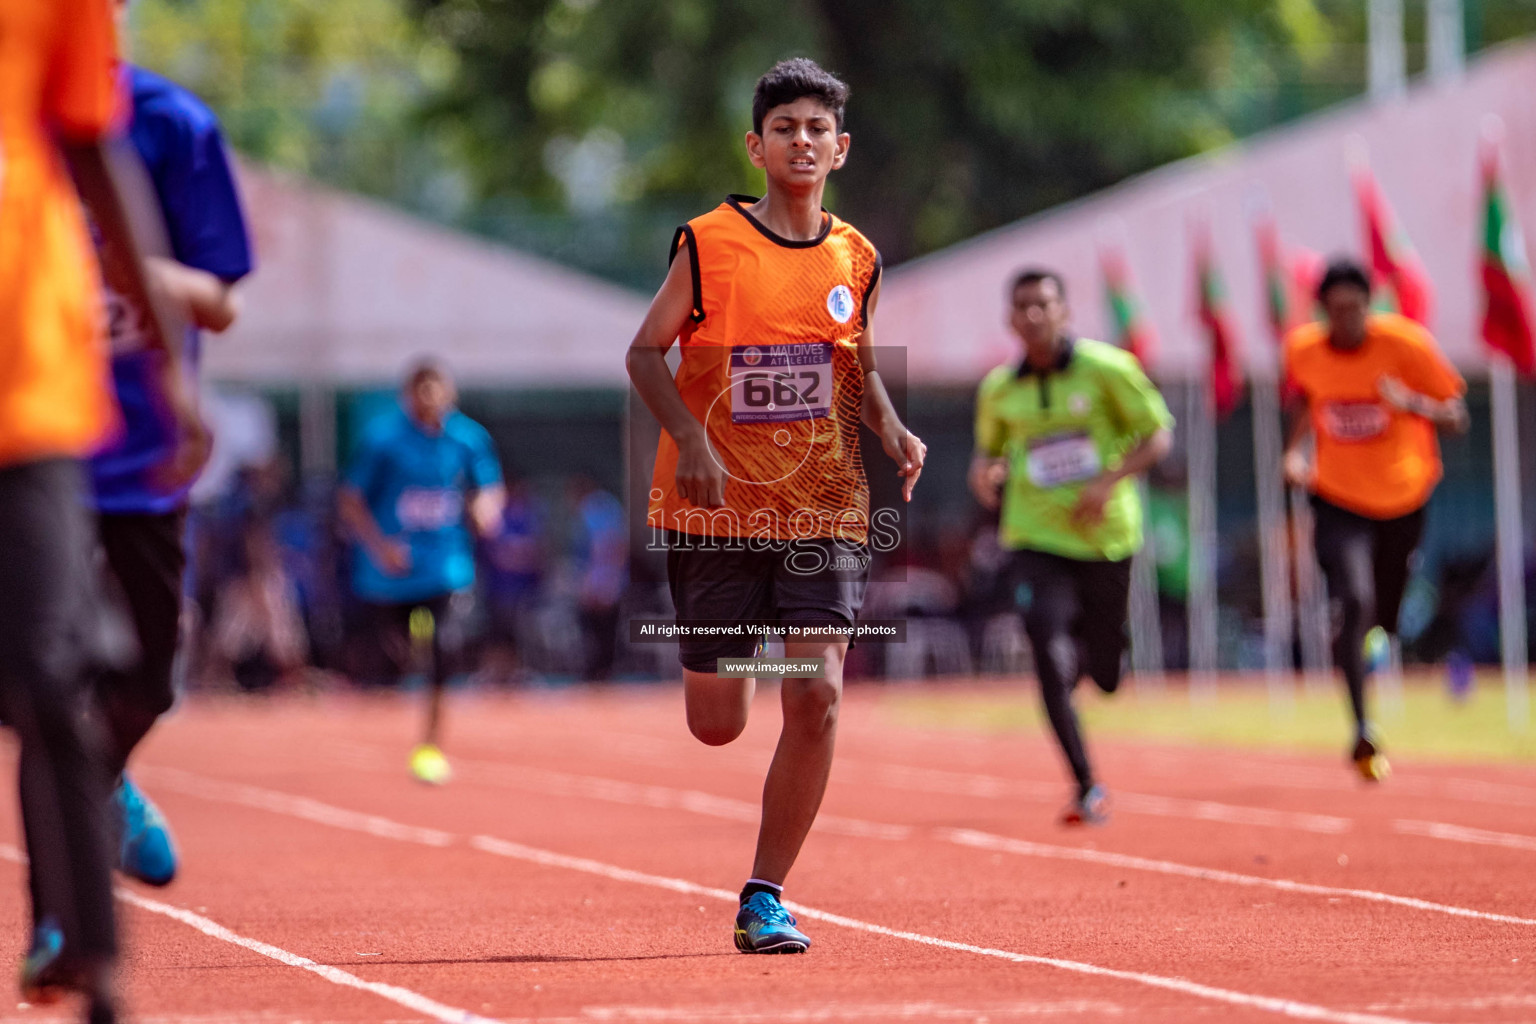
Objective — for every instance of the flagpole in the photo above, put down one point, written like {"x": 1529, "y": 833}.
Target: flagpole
{"x": 1511, "y": 541}
{"x": 1313, "y": 625}
{"x": 1146, "y": 621}
{"x": 1274, "y": 555}
{"x": 1201, "y": 454}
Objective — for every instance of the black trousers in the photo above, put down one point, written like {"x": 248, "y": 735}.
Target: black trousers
{"x": 1365, "y": 562}
{"x": 48, "y": 646}
{"x": 145, "y": 554}
{"x": 394, "y": 652}
{"x": 1076, "y": 622}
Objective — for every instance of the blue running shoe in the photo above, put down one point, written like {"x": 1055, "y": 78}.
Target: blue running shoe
{"x": 1092, "y": 808}
{"x": 44, "y": 978}
{"x": 49, "y": 974}
{"x": 1376, "y": 650}
{"x": 147, "y": 852}
{"x": 764, "y": 926}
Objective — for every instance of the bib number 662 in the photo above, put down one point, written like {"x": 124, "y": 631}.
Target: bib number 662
{"x": 760, "y": 390}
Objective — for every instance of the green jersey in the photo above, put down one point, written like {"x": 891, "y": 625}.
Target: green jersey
{"x": 1060, "y": 428}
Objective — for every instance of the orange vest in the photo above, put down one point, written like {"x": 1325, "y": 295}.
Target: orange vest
{"x": 1372, "y": 458}
{"x": 770, "y": 366}
{"x": 57, "y": 74}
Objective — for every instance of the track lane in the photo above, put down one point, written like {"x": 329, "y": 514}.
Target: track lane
{"x": 898, "y": 886}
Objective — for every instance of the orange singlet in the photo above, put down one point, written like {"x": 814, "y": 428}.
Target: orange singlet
{"x": 57, "y": 75}
{"x": 770, "y": 366}
{"x": 1372, "y": 458}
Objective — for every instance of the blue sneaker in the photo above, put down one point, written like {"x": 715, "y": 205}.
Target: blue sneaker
{"x": 146, "y": 852}
{"x": 48, "y": 975}
{"x": 44, "y": 977}
{"x": 764, "y": 926}
{"x": 1376, "y": 650}
{"x": 1092, "y": 808}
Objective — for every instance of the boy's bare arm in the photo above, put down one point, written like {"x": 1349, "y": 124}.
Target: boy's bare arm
{"x": 879, "y": 414}
{"x": 203, "y": 298}
{"x": 700, "y": 477}
{"x": 101, "y": 189}
{"x": 1293, "y": 463}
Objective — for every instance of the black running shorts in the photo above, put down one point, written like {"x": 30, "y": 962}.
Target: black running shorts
{"x": 806, "y": 582}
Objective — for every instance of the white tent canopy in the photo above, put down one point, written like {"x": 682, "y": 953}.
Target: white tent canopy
{"x": 349, "y": 291}
{"x": 948, "y": 309}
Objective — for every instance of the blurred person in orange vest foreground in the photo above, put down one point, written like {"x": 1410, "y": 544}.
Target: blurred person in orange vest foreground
{"x": 1372, "y": 389}
{"x": 58, "y": 102}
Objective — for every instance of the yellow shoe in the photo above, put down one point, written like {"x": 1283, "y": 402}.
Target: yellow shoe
{"x": 430, "y": 766}
{"x": 1369, "y": 762}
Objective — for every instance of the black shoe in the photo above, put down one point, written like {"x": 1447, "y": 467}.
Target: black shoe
{"x": 1369, "y": 762}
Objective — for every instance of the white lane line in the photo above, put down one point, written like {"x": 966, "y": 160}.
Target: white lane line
{"x": 1235, "y": 767}
{"x": 547, "y": 858}
{"x": 222, "y": 1017}
{"x": 928, "y": 780}
{"x": 414, "y": 1001}
{"x": 1022, "y": 847}
{"x": 933, "y": 780}
{"x": 1511, "y": 1002}
{"x": 1462, "y": 834}
{"x": 1253, "y": 771}
{"x": 731, "y": 1014}
{"x": 296, "y": 806}
{"x": 555, "y": 783}
{"x": 1286, "y": 1007}
{"x": 324, "y": 814}
{"x": 715, "y": 1014}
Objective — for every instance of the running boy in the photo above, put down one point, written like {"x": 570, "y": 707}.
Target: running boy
{"x": 759, "y": 488}
{"x": 424, "y": 476}
{"x": 141, "y": 515}
{"x": 1060, "y": 437}
{"x": 1373, "y": 389}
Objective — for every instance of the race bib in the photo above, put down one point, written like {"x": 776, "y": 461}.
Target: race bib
{"x": 1059, "y": 459}
{"x": 780, "y": 383}
{"x": 429, "y": 508}
{"x": 1355, "y": 421}
{"x": 126, "y": 330}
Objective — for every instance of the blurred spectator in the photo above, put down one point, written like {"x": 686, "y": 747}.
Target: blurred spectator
{"x": 257, "y": 635}
{"x": 600, "y": 557}
{"x": 514, "y": 579}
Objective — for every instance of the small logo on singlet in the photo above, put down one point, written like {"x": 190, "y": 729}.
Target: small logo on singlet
{"x": 840, "y": 303}
{"x": 1078, "y": 403}
{"x": 752, "y": 356}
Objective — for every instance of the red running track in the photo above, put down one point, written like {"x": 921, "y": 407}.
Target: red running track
{"x": 581, "y": 868}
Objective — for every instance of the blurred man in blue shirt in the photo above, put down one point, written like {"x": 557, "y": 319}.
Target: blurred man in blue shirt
{"x": 423, "y": 477}
{"x": 141, "y": 516}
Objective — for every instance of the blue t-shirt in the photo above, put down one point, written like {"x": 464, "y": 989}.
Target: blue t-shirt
{"x": 179, "y": 141}
{"x": 417, "y": 486}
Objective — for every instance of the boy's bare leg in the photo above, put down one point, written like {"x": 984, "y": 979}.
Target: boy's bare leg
{"x": 797, "y": 779}
{"x": 717, "y": 708}
{"x": 433, "y": 732}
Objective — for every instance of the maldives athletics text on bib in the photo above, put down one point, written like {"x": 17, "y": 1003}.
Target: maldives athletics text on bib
{"x": 780, "y": 383}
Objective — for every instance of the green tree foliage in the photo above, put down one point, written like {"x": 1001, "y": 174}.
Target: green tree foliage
{"x": 965, "y": 114}
{"x": 587, "y": 129}
{"x": 321, "y": 87}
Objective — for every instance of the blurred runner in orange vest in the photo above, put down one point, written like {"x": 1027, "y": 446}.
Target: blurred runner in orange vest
{"x": 1374, "y": 387}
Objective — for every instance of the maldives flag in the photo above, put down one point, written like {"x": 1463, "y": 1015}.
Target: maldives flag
{"x": 1509, "y": 310}
{"x": 1226, "y": 377}
{"x": 1395, "y": 267}
{"x": 1133, "y": 332}
{"x": 1290, "y": 280}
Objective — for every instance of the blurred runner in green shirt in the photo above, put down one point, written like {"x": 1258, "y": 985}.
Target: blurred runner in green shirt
{"x": 1060, "y": 435}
